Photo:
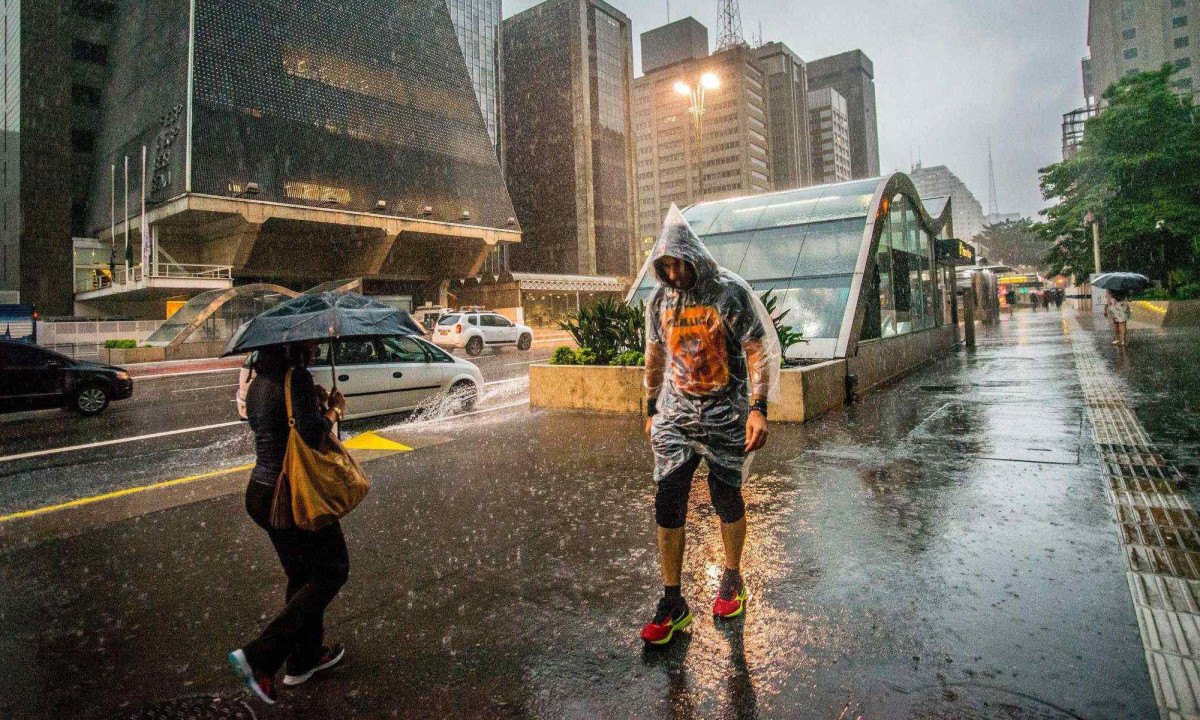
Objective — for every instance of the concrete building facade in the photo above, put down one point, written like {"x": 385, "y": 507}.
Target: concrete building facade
{"x": 1127, "y": 36}
{"x": 830, "y": 136}
{"x": 852, "y": 75}
{"x": 730, "y": 157}
{"x": 792, "y": 164}
{"x": 682, "y": 40}
{"x": 568, "y": 67}
{"x": 477, "y": 24}
{"x": 937, "y": 182}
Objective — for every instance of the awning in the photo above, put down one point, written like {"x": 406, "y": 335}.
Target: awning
{"x": 569, "y": 283}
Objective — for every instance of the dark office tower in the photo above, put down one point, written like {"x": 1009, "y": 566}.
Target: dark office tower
{"x": 787, "y": 86}
{"x": 568, "y": 69}
{"x": 685, "y": 39}
{"x": 852, "y": 75}
{"x": 296, "y": 142}
{"x": 55, "y": 64}
{"x": 477, "y": 23}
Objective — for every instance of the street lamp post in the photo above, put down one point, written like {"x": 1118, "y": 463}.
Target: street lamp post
{"x": 1092, "y": 220}
{"x": 707, "y": 82}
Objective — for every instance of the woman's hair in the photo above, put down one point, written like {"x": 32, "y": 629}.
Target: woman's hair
{"x": 278, "y": 358}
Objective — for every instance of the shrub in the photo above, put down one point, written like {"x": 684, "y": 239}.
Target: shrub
{"x": 630, "y": 358}
{"x": 788, "y": 336}
{"x": 563, "y": 356}
{"x": 120, "y": 344}
{"x": 584, "y": 356}
{"x": 607, "y": 328}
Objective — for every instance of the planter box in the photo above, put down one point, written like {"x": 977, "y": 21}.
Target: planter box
{"x": 806, "y": 392}
{"x": 1167, "y": 313}
{"x": 130, "y": 356}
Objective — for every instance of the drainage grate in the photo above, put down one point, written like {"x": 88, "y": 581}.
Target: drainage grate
{"x": 1159, "y": 531}
{"x": 195, "y": 707}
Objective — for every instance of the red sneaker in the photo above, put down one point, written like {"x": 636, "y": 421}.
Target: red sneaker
{"x": 672, "y": 615}
{"x": 731, "y": 597}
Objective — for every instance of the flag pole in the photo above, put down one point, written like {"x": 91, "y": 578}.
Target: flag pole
{"x": 128, "y": 249}
{"x": 112, "y": 221}
{"x": 147, "y": 256}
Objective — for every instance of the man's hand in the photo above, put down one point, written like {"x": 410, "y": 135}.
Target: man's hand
{"x": 756, "y": 431}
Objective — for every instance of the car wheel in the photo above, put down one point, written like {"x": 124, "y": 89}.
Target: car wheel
{"x": 466, "y": 393}
{"x": 90, "y": 400}
{"x": 475, "y": 346}
{"x": 525, "y": 342}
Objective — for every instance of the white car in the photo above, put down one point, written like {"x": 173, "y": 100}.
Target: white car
{"x": 391, "y": 374}
{"x": 476, "y": 330}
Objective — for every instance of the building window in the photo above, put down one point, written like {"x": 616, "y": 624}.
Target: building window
{"x": 1183, "y": 63}
{"x": 1182, "y": 42}
{"x": 89, "y": 52}
{"x": 1130, "y": 54}
{"x": 1178, "y": 3}
{"x": 102, "y": 10}
{"x": 1179, "y": 22}
{"x": 1184, "y": 84}
{"x": 1128, "y": 34}
{"x": 85, "y": 96}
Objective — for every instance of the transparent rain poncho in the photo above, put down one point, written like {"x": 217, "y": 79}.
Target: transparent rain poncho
{"x": 711, "y": 352}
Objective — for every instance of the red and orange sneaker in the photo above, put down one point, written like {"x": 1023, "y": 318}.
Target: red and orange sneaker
{"x": 671, "y": 616}
{"x": 731, "y": 596}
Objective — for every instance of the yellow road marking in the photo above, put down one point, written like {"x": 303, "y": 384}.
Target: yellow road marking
{"x": 374, "y": 441}
{"x": 120, "y": 493}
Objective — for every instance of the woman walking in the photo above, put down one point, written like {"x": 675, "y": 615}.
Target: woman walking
{"x": 1120, "y": 311}
{"x": 316, "y": 563}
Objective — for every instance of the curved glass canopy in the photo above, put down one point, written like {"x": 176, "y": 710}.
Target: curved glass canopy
{"x": 813, "y": 247}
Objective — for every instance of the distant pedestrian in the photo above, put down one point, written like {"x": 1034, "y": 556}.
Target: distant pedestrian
{"x": 1033, "y": 301}
{"x": 1120, "y": 311}
{"x": 712, "y": 358}
{"x": 316, "y": 562}
{"x": 1010, "y": 299}
{"x": 1059, "y": 296}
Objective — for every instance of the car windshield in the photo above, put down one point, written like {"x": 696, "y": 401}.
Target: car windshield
{"x": 448, "y": 320}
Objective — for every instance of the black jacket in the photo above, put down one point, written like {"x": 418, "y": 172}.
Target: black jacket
{"x": 267, "y": 412}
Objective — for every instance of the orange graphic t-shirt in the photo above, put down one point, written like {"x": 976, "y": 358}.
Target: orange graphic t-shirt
{"x": 695, "y": 342}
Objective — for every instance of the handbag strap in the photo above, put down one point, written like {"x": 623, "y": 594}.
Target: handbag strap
{"x": 287, "y": 397}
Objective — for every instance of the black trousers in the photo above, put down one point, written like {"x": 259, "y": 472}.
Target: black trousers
{"x": 317, "y": 565}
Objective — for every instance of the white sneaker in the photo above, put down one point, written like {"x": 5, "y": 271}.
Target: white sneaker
{"x": 332, "y": 656}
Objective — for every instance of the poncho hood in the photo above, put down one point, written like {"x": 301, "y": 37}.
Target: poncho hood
{"x": 678, "y": 240}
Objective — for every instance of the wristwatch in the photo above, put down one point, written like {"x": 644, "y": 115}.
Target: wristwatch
{"x": 760, "y": 406}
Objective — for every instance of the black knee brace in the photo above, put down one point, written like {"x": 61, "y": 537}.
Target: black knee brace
{"x": 727, "y": 501}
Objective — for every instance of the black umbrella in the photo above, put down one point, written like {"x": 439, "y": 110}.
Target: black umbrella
{"x": 324, "y": 316}
{"x": 1121, "y": 281}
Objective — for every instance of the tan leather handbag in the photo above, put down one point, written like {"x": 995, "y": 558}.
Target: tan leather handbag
{"x": 317, "y": 486}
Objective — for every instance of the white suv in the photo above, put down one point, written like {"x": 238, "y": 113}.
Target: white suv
{"x": 477, "y": 330}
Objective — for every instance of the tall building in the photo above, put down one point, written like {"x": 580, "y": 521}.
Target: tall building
{"x": 345, "y": 143}
{"x": 568, "y": 68}
{"x": 685, "y": 39}
{"x": 852, "y": 75}
{"x": 732, "y": 156}
{"x": 55, "y": 59}
{"x": 477, "y": 24}
{"x": 830, "y": 136}
{"x": 938, "y": 181}
{"x": 1127, "y": 36}
{"x": 792, "y": 164}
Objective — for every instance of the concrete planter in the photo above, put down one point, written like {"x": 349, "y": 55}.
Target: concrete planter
{"x": 806, "y": 392}
{"x": 130, "y": 356}
{"x": 1167, "y": 313}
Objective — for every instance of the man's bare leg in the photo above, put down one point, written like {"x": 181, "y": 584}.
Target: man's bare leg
{"x": 734, "y": 537}
{"x": 670, "y": 555}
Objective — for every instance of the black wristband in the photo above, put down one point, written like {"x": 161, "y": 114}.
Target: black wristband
{"x": 651, "y": 407}
{"x": 760, "y": 406}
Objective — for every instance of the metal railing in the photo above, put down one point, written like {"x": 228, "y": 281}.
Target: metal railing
{"x": 121, "y": 276}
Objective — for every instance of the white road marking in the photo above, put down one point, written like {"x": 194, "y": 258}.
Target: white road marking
{"x": 206, "y": 387}
{"x": 523, "y": 362}
{"x": 117, "y": 441}
{"x": 158, "y": 376}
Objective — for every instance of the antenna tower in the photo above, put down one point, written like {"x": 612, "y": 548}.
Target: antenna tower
{"x": 993, "y": 203}
{"x": 729, "y": 26}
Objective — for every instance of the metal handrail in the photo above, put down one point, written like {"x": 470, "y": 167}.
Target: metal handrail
{"x": 127, "y": 276}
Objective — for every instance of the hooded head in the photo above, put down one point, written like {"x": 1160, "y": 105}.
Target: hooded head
{"x": 680, "y": 243}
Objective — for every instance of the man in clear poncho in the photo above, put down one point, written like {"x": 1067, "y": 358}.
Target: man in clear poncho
{"x": 712, "y": 361}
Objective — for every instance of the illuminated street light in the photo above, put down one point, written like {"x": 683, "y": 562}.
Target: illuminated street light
{"x": 706, "y": 82}
{"x": 682, "y": 89}
{"x": 710, "y": 81}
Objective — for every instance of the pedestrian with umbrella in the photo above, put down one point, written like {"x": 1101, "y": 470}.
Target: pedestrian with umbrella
{"x": 303, "y": 479}
{"x": 1119, "y": 286}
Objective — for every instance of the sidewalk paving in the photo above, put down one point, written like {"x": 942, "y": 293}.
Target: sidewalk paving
{"x": 941, "y": 549}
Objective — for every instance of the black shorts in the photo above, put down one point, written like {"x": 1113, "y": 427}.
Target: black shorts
{"x": 724, "y": 485}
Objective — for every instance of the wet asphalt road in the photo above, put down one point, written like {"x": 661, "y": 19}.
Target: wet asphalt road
{"x": 941, "y": 549}
{"x": 163, "y": 404}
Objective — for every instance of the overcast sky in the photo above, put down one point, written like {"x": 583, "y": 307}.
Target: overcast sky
{"x": 948, "y": 74}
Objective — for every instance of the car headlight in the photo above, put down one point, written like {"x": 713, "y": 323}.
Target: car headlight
{"x": 122, "y": 375}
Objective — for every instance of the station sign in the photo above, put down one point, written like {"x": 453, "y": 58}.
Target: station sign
{"x": 955, "y": 252}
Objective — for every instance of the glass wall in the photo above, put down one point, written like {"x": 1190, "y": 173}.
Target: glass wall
{"x": 905, "y": 282}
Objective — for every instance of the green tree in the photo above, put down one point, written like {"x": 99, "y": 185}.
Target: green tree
{"x": 1138, "y": 171}
{"x": 1013, "y": 242}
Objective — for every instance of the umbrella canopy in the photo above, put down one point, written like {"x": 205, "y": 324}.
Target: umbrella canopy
{"x": 323, "y": 316}
{"x": 1121, "y": 281}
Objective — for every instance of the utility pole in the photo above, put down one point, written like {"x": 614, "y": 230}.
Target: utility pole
{"x": 729, "y": 25}
{"x": 993, "y": 203}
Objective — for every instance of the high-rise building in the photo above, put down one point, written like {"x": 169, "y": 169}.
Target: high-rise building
{"x": 1127, "y": 36}
{"x": 685, "y": 39}
{"x": 477, "y": 24}
{"x": 937, "y": 182}
{"x": 568, "y": 68}
{"x": 830, "y": 136}
{"x": 730, "y": 155}
{"x": 345, "y": 143}
{"x": 792, "y": 164}
{"x": 55, "y": 59}
{"x": 852, "y": 75}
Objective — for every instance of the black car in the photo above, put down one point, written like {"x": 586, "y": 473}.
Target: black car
{"x": 33, "y": 377}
